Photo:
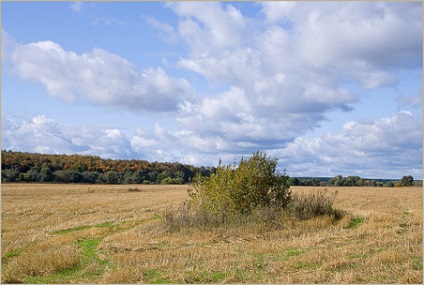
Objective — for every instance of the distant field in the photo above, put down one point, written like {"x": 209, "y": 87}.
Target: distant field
{"x": 108, "y": 234}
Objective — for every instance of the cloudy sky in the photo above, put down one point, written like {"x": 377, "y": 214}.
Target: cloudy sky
{"x": 326, "y": 87}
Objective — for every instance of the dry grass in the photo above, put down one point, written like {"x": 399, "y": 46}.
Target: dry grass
{"x": 107, "y": 234}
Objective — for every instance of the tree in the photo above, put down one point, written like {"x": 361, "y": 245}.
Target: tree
{"x": 295, "y": 181}
{"x": 68, "y": 176}
{"x": 139, "y": 176}
{"x": 338, "y": 180}
{"x": 46, "y": 175}
{"x": 111, "y": 177}
{"x": 351, "y": 180}
{"x": 9, "y": 175}
{"x": 407, "y": 180}
{"x": 254, "y": 183}
{"x": 90, "y": 176}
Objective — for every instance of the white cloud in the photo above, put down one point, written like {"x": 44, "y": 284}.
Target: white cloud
{"x": 286, "y": 73}
{"x": 411, "y": 101}
{"x": 166, "y": 32}
{"x": 106, "y": 21}
{"x": 46, "y": 135}
{"x": 209, "y": 26}
{"x": 388, "y": 147}
{"x": 7, "y": 44}
{"x": 98, "y": 77}
{"x": 277, "y": 76}
{"x": 277, "y": 11}
{"x": 40, "y": 133}
{"x": 76, "y": 6}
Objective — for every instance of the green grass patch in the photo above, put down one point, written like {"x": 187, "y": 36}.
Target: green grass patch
{"x": 293, "y": 252}
{"x": 218, "y": 276}
{"x": 67, "y": 231}
{"x": 89, "y": 249}
{"x": 88, "y": 258}
{"x": 81, "y": 228}
{"x": 262, "y": 259}
{"x": 104, "y": 225}
{"x": 355, "y": 222}
{"x": 239, "y": 275}
{"x": 153, "y": 276}
{"x": 260, "y": 262}
{"x": 358, "y": 256}
{"x": 305, "y": 265}
{"x": 12, "y": 253}
{"x": 62, "y": 277}
{"x": 417, "y": 264}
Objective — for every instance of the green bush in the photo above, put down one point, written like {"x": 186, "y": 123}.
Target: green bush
{"x": 252, "y": 192}
{"x": 169, "y": 180}
{"x": 238, "y": 190}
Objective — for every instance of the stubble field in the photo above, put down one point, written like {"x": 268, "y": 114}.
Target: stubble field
{"x": 108, "y": 234}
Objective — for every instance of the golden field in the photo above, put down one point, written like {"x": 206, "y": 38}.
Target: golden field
{"x": 107, "y": 234}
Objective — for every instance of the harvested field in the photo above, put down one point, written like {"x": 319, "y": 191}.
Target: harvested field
{"x": 115, "y": 234}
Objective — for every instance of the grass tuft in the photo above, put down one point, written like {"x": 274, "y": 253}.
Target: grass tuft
{"x": 355, "y": 222}
{"x": 306, "y": 206}
{"x": 44, "y": 261}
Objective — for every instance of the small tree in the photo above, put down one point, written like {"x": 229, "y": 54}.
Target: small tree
{"x": 254, "y": 183}
{"x": 407, "y": 180}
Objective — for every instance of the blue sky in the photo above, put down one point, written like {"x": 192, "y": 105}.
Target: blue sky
{"x": 327, "y": 87}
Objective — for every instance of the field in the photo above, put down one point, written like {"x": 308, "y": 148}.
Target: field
{"x": 115, "y": 234}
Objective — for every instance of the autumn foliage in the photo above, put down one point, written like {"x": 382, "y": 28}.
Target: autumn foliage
{"x": 32, "y": 167}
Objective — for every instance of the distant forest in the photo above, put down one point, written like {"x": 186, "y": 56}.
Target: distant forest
{"x": 59, "y": 168}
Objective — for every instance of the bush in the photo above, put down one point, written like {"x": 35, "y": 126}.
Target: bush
{"x": 255, "y": 182}
{"x": 169, "y": 180}
{"x": 135, "y": 189}
{"x": 252, "y": 192}
{"x": 306, "y": 206}
{"x": 233, "y": 191}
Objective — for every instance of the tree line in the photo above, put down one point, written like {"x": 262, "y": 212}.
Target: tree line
{"x": 60, "y": 168}
{"x": 33, "y": 167}
{"x": 339, "y": 180}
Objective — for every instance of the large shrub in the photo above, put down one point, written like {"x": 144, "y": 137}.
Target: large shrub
{"x": 234, "y": 190}
{"x": 252, "y": 191}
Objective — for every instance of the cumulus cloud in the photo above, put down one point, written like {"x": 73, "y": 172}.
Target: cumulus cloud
{"x": 98, "y": 77}
{"x": 209, "y": 26}
{"x": 40, "y": 134}
{"x": 275, "y": 76}
{"x": 384, "y": 147}
{"x": 46, "y": 135}
{"x": 388, "y": 147}
{"x": 284, "y": 75}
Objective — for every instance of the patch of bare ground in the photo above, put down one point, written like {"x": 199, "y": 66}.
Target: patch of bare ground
{"x": 107, "y": 234}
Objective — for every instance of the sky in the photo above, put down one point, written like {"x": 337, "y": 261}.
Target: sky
{"x": 328, "y": 88}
